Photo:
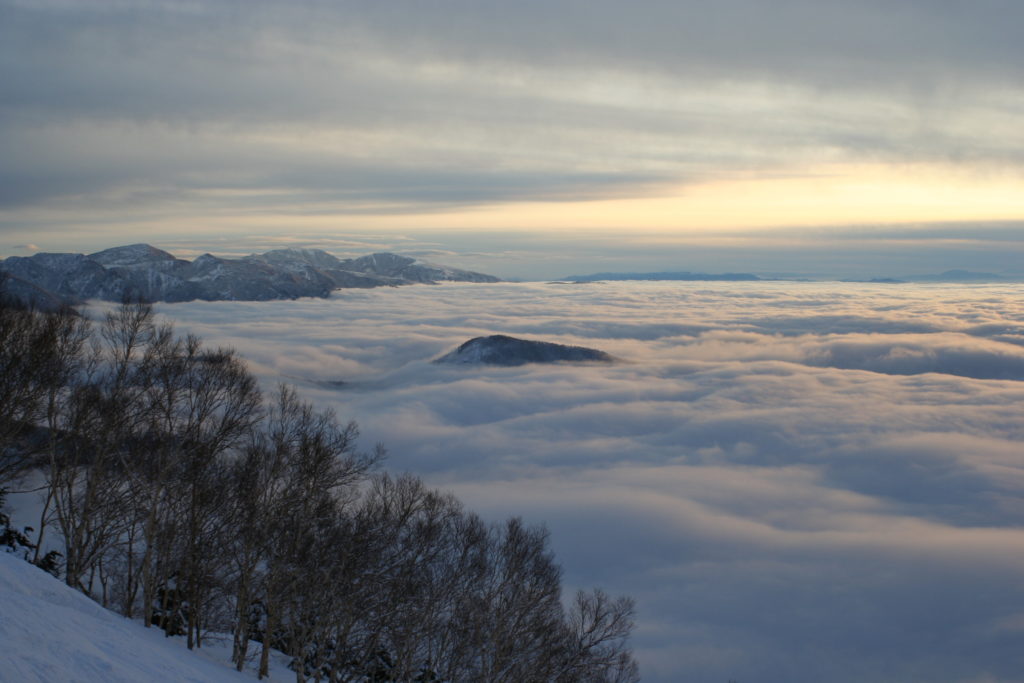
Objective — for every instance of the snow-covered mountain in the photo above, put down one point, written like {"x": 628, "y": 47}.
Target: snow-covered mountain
{"x": 143, "y": 271}
{"x": 499, "y": 349}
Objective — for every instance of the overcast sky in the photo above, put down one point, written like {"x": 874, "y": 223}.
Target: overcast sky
{"x": 704, "y": 125}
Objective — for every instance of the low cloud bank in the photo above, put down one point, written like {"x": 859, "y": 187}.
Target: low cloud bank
{"x": 797, "y": 481}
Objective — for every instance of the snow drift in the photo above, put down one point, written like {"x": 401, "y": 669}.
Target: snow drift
{"x": 51, "y": 632}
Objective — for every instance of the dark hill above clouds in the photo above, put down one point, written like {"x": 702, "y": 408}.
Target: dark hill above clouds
{"x": 501, "y": 350}
{"x": 143, "y": 271}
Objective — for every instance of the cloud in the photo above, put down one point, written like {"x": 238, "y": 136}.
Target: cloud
{"x": 797, "y": 481}
{"x": 119, "y": 111}
{"x": 894, "y": 354}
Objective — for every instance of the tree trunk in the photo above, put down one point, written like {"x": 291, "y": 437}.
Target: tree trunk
{"x": 268, "y": 637}
{"x": 241, "y": 639}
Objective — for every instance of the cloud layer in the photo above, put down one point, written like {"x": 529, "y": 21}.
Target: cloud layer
{"x": 797, "y": 481}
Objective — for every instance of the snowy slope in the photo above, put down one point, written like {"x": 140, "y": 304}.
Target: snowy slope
{"x": 49, "y": 632}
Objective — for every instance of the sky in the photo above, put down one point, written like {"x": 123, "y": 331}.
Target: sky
{"x": 797, "y": 481}
{"x": 651, "y": 135}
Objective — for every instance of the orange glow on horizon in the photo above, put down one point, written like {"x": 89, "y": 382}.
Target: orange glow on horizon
{"x": 830, "y": 196}
{"x": 723, "y": 211}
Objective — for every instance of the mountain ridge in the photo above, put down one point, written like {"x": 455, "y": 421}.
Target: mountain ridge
{"x": 142, "y": 271}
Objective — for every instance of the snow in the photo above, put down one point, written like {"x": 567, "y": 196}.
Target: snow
{"x": 50, "y": 632}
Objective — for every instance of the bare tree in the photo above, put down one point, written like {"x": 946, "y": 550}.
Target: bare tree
{"x": 221, "y": 404}
{"x": 598, "y": 629}
{"x": 309, "y": 461}
{"x": 39, "y": 354}
{"x": 517, "y": 628}
{"x": 151, "y": 461}
{"x": 425, "y": 591}
{"x": 100, "y": 415}
{"x": 20, "y": 396}
{"x": 395, "y": 580}
{"x": 69, "y": 361}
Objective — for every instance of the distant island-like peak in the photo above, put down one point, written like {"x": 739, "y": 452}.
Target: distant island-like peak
{"x": 500, "y": 349}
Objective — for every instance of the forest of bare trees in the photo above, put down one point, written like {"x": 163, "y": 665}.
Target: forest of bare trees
{"x": 175, "y": 492}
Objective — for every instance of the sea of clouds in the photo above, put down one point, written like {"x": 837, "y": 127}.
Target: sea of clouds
{"x": 796, "y": 481}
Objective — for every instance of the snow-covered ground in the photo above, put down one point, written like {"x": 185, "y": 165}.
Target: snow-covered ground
{"x": 50, "y": 632}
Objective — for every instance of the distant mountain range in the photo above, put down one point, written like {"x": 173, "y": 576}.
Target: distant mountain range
{"x": 141, "y": 271}
{"x": 959, "y": 276}
{"x": 949, "y": 276}
{"x": 685, "y": 276}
